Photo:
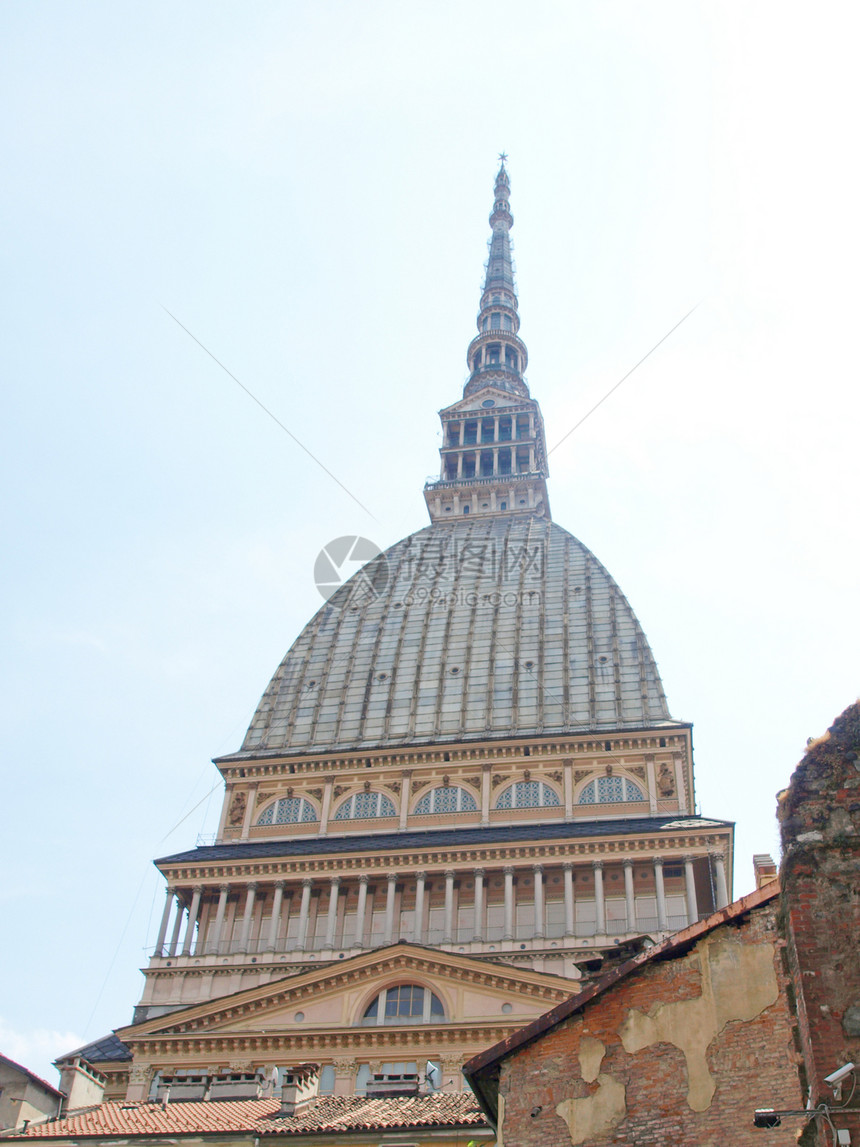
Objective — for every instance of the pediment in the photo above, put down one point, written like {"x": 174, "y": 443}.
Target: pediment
{"x": 474, "y": 403}
{"x": 335, "y": 996}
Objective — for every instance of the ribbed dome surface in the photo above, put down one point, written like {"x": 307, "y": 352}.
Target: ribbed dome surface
{"x": 466, "y": 630}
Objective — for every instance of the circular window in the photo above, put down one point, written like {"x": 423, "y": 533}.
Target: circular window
{"x": 298, "y": 1017}
{"x": 488, "y": 402}
{"x": 455, "y": 670}
{"x": 507, "y": 1008}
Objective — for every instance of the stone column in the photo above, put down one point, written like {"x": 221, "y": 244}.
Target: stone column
{"x": 177, "y": 927}
{"x": 248, "y": 917}
{"x": 509, "y": 903}
{"x": 389, "y": 907}
{"x": 326, "y": 805}
{"x": 539, "y": 927}
{"x": 651, "y": 774}
{"x": 599, "y": 902}
{"x": 629, "y": 894}
{"x": 479, "y": 904}
{"x": 662, "y": 921}
{"x": 418, "y": 929}
{"x": 569, "y": 926}
{"x": 680, "y": 786}
{"x": 304, "y": 910}
{"x": 486, "y": 772}
{"x": 722, "y": 887}
{"x": 331, "y": 920}
{"x": 448, "y": 935}
{"x": 358, "y": 942}
{"x": 405, "y": 797}
{"x": 197, "y": 892}
{"x": 214, "y": 945}
{"x": 275, "y": 921}
{"x": 165, "y": 917}
{"x": 690, "y": 885}
{"x": 567, "y": 765}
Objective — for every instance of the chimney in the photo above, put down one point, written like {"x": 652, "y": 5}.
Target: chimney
{"x": 764, "y": 869}
{"x": 82, "y": 1085}
{"x": 299, "y": 1085}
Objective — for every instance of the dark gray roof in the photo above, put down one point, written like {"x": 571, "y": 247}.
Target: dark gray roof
{"x": 108, "y": 1049}
{"x": 444, "y": 838}
{"x": 467, "y": 630}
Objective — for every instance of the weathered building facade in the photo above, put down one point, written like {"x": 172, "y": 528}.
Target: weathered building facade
{"x": 461, "y": 793}
{"x": 749, "y": 1010}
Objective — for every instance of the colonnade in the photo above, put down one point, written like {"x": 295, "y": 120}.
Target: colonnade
{"x": 375, "y": 920}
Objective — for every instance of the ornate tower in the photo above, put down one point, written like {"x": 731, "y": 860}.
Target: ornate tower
{"x": 461, "y": 793}
{"x": 494, "y": 457}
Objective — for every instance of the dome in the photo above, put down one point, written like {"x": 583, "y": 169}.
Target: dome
{"x": 465, "y": 630}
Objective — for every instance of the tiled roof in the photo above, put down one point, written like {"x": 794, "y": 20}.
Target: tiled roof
{"x": 449, "y": 838}
{"x": 466, "y": 630}
{"x": 108, "y": 1049}
{"x": 259, "y": 1117}
{"x": 31, "y": 1075}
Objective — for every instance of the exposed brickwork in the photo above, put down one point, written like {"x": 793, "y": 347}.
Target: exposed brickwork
{"x": 750, "y": 1060}
{"x": 820, "y": 822}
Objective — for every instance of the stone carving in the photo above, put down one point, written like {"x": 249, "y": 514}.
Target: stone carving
{"x": 318, "y": 793}
{"x": 475, "y": 782}
{"x": 497, "y": 780}
{"x": 263, "y": 797}
{"x": 367, "y": 786}
{"x": 557, "y": 776}
{"x": 580, "y": 775}
{"x": 665, "y": 781}
{"x": 638, "y": 771}
{"x": 339, "y": 790}
{"x": 237, "y": 809}
{"x": 394, "y": 787}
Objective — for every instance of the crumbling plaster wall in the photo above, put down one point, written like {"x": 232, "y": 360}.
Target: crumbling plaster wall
{"x": 682, "y": 1051}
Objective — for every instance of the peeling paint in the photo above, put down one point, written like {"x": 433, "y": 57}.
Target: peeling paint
{"x": 587, "y": 1118}
{"x": 738, "y": 983}
{"x": 591, "y": 1052}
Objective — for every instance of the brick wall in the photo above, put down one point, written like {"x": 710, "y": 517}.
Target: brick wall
{"x": 696, "y": 1027}
{"x": 819, "y": 817}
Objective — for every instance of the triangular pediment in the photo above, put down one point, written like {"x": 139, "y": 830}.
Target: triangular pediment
{"x": 336, "y": 995}
{"x": 474, "y": 404}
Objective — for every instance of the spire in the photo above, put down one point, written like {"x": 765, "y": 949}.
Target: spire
{"x": 494, "y": 457}
{"x": 496, "y": 352}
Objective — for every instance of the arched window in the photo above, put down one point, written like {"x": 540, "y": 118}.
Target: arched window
{"x": 448, "y": 799}
{"x": 528, "y": 794}
{"x": 288, "y": 810}
{"x": 362, "y": 805}
{"x": 609, "y": 790}
{"x": 405, "y": 1004}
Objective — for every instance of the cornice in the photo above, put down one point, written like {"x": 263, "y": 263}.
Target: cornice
{"x": 489, "y": 855}
{"x": 247, "y": 766}
{"x": 311, "y": 1040}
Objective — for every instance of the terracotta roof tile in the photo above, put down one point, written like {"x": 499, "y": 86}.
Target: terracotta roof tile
{"x": 259, "y": 1116}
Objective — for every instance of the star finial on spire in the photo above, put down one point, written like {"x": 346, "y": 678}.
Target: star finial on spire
{"x": 503, "y": 157}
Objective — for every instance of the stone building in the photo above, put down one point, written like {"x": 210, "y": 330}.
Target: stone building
{"x": 24, "y": 1096}
{"x": 461, "y": 794}
{"x": 749, "y": 1010}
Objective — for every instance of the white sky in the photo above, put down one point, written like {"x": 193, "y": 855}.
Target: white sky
{"x": 306, "y": 186}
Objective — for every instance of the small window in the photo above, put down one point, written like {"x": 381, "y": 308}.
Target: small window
{"x": 528, "y": 794}
{"x": 448, "y": 799}
{"x": 361, "y": 806}
{"x": 465, "y": 509}
{"x": 610, "y": 790}
{"x": 503, "y": 505}
{"x": 496, "y": 322}
{"x": 288, "y": 810}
